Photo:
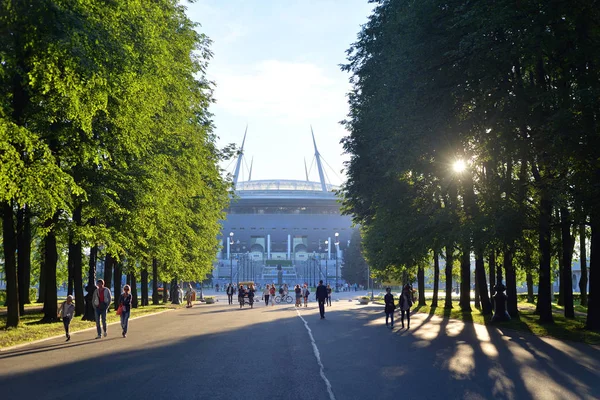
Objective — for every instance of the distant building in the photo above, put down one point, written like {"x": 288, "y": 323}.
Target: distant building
{"x": 290, "y": 223}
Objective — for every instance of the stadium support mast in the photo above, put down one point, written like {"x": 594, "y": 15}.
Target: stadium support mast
{"x": 319, "y": 166}
{"x": 238, "y": 164}
{"x": 250, "y": 173}
{"x": 306, "y": 170}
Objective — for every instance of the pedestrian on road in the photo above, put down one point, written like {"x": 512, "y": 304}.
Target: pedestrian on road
{"x": 125, "y": 301}
{"x": 267, "y": 294}
{"x": 390, "y": 306}
{"x": 272, "y": 292}
{"x": 230, "y": 293}
{"x": 305, "y": 293}
{"x": 298, "y": 292}
{"x": 189, "y": 296}
{"x": 328, "y": 295}
{"x": 405, "y": 305}
{"x": 321, "y": 296}
{"x": 251, "y": 291}
{"x": 241, "y": 293}
{"x": 101, "y": 301}
{"x": 66, "y": 312}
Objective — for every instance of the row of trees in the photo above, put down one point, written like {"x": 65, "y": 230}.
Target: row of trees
{"x": 510, "y": 92}
{"x": 106, "y": 146}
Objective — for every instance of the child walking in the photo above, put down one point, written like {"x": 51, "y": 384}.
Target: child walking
{"x": 66, "y": 311}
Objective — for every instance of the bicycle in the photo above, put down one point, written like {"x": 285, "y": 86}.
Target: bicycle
{"x": 286, "y": 298}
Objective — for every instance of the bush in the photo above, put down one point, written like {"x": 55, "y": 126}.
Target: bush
{"x": 32, "y": 296}
{"x": 2, "y": 297}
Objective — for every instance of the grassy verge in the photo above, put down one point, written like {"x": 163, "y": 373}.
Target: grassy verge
{"x": 563, "y": 328}
{"x": 31, "y": 328}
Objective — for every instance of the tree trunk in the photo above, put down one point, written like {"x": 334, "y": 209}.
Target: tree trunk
{"x": 78, "y": 268}
{"x": 421, "y": 285}
{"x": 593, "y": 314}
{"x": 511, "y": 283}
{"x": 155, "y": 299}
{"x": 23, "y": 256}
{"x": 529, "y": 278}
{"x": 481, "y": 283}
{"x": 567, "y": 252}
{"x": 544, "y": 303}
{"x": 89, "y": 314}
{"x": 144, "y": 287}
{"x": 118, "y": 269}
{"x": 436, "y": 278}
{"x": 165, "y": 294}
{"x": 448, "y": 271}
{"x": 134, "y": 292}
{"x": 476, "y": 295}
{"x": 42, "y": 280}
{"x": 559, "y": 256}
{"x": 9, "y": 241}
{"x": 492, "y": 266}
{"x": 49, "y": 265}
{"x": 465, "y": 277}
{"x": 109, "y": 261}
{"x": 583, "y": 281}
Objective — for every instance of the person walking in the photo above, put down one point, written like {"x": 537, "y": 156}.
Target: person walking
{"x": 101, "y": 301}
{"x": 405, "y": 305}
{"x": 251, "y": 291}
{"x": 328, "y": 300}
{"x": 321, "y": 296}
{"x": 305, "y": 293}
{"x": 241, "y": 294}
{"x": 189, "y": 296}
{"x": 125, "y": 301}
{"x": 230, "y": 293}
{"x": 267, "y": 294}
{"x": 272, "y": 291}
{"x": 298, "y": 292}
{"x": 390, "y": 306}
{"x": 66, "y": 312}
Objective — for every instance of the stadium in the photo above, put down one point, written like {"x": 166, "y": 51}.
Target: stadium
{"x": 282, "y": 231}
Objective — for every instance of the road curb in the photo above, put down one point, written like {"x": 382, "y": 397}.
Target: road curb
{"x": 83, "y": 330}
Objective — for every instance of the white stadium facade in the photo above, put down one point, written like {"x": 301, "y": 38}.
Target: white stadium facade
{"x": 282, "y": 231}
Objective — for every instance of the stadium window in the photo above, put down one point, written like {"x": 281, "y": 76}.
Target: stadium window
{"x": 262, "y": 229}
{"x": 253, "y": 229}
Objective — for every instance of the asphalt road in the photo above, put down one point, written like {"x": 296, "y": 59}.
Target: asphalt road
{"x": 221, "y": 352}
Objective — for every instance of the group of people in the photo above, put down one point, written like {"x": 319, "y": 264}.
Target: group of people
{"x": 101, "y": 300}
{"x": 405, "y": 302}
{"x": 270, "y": 291}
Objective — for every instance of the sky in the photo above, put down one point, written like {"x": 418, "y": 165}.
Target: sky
{"x": 276, "y": 66}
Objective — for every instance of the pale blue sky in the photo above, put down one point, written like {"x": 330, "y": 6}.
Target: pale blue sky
{"x": 276, "y": 67}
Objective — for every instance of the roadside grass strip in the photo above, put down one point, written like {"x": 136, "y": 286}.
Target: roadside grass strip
{"x": 31, "y": 329}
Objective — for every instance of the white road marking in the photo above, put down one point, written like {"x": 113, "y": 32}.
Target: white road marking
{"x": 318, "y": 356}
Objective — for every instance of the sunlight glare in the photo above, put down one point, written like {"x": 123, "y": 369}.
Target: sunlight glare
{"x": 459, "y": 166}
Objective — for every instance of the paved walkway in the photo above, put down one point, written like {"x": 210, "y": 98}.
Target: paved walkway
{"x": 220, "y": 352}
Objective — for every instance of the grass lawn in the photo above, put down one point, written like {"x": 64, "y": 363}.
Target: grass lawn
{"x": 31, "y": 328}
{"x": 563, "y": 328}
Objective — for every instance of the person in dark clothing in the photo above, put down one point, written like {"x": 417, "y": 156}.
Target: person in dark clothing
{"x": 390, "y": 306}
{"x": 241, "y": 294}
{"x": 328, "y": 295}
{"x": 251, "y": 291}
{"x": 230, "y": 293}
{"x": 405, "y": 305}
{"x": 321, "y": 295}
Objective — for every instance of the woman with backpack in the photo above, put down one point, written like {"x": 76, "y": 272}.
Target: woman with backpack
{"x": 305, "y": 293}
{"x": 405, "y": 305}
